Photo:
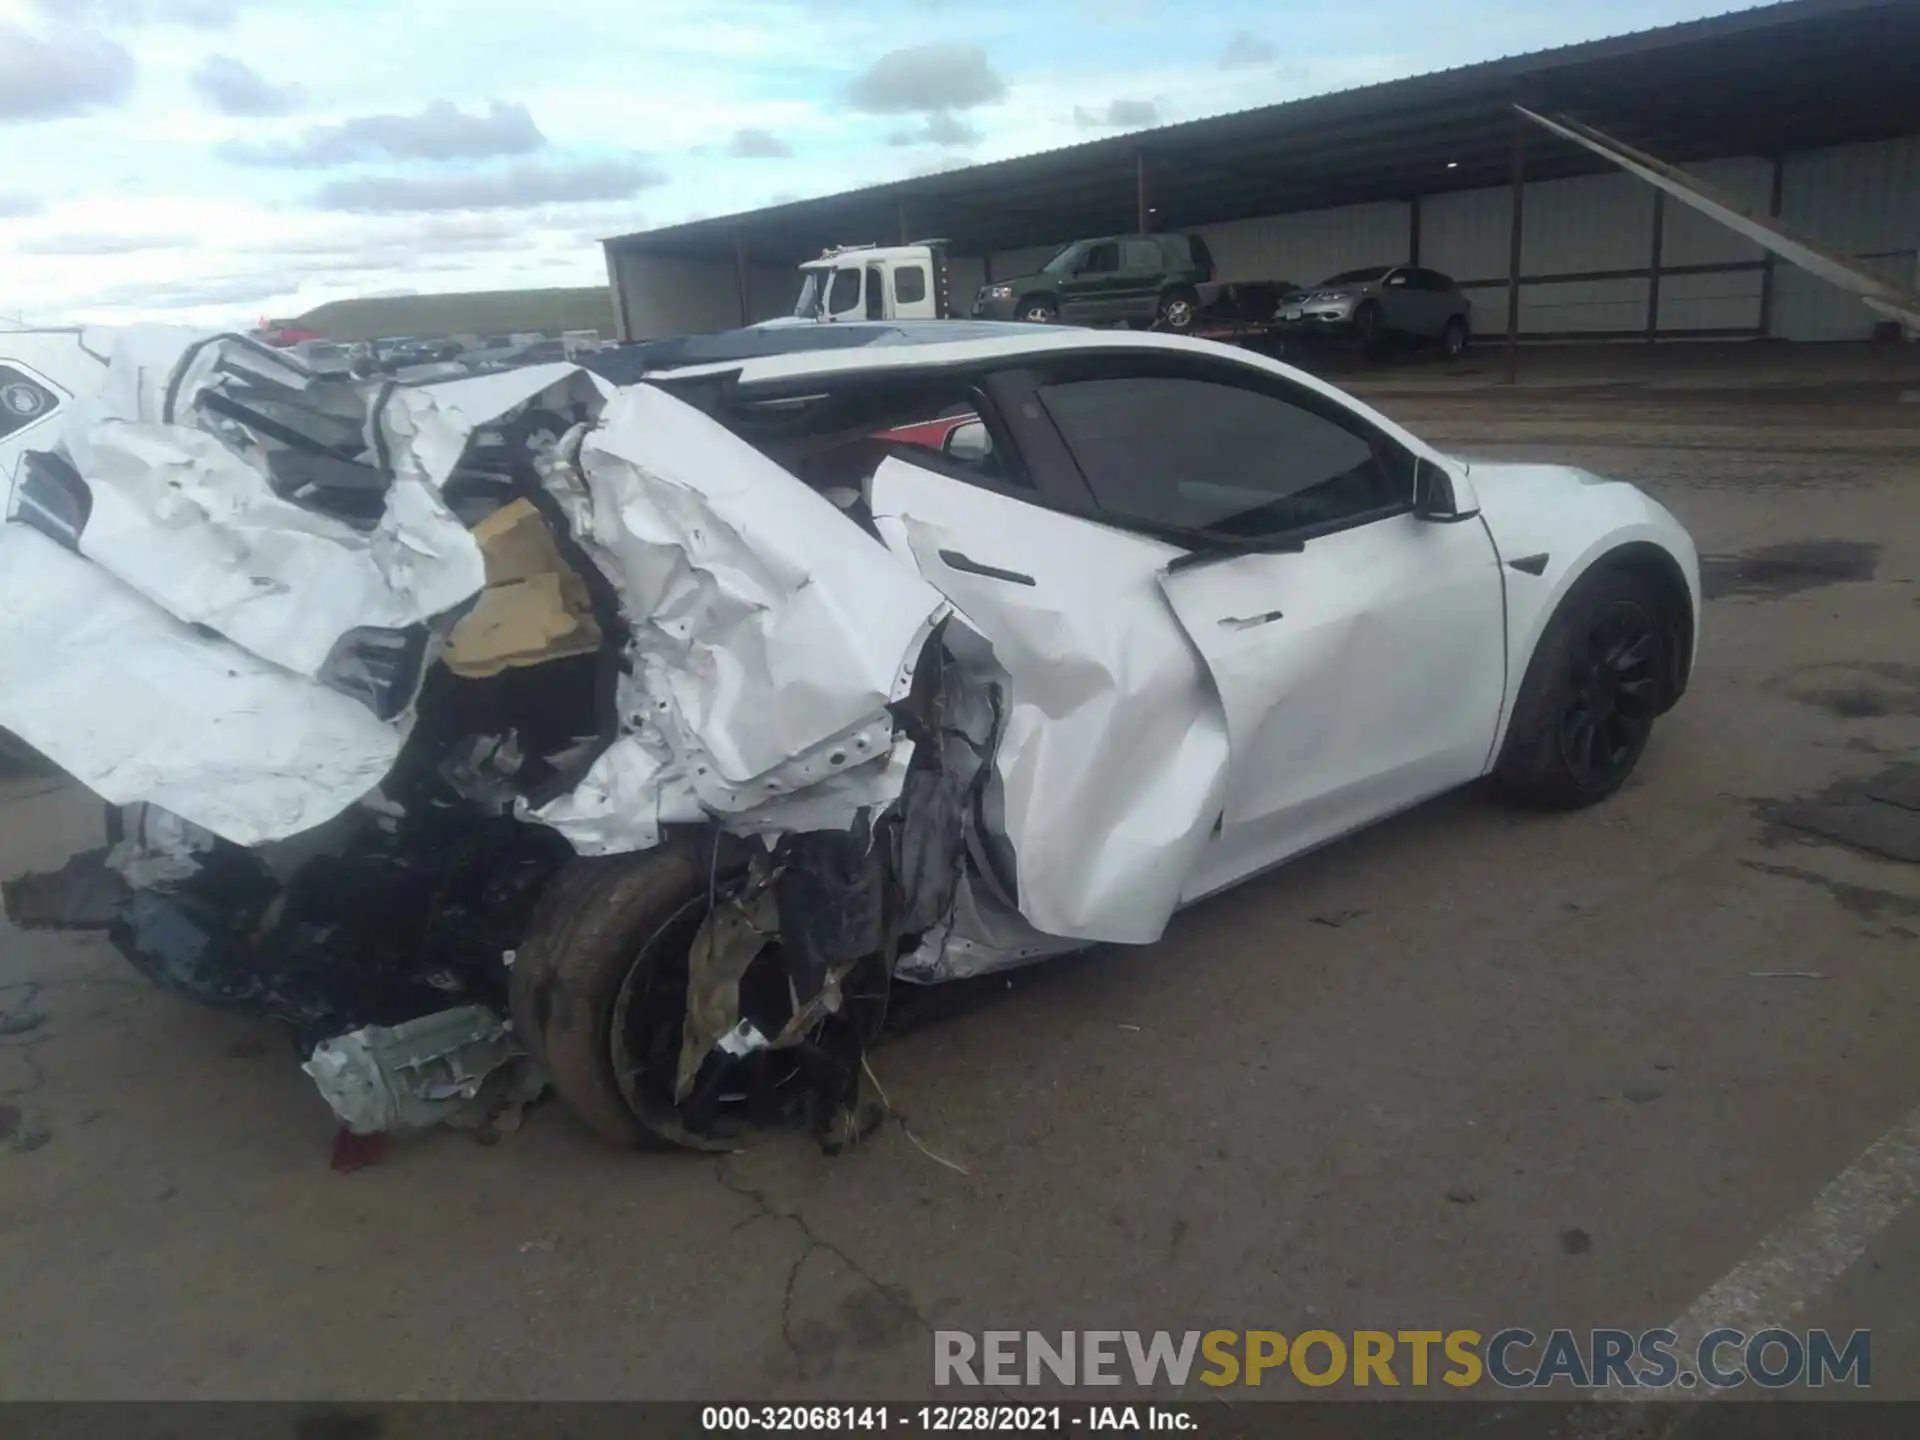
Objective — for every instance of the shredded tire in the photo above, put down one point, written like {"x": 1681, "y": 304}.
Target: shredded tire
{"x": 583, "y": 941}
{"x": 1534, "y": 768}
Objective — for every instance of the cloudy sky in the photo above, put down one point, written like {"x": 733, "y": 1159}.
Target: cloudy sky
{"x": 210, "y": 161}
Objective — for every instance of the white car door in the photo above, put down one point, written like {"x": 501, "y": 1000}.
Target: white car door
{"x": 1113, "y": 758}
{"x": 1360, "y": 658}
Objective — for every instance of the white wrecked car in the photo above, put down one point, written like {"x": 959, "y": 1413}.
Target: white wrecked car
{"x": 679, "y": 719}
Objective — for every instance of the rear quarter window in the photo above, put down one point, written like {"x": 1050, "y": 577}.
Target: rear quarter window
{"x": 23, "y": 400}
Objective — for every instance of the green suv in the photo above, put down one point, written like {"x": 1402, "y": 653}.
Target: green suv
{"x": 1115, "y": 280}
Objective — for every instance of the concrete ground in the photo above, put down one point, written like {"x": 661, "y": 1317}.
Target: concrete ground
{"x": 1470, "y": 1069}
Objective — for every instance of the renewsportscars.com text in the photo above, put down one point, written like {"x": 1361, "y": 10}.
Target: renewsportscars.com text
{"x": 1511, "y": 1359}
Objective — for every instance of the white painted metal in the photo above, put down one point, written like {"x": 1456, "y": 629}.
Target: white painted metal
{"x": 1718, "y": 301}
{"x": 1112, "y": 730}
{"x": 1590, "y": 222}
{"x": 1863, "y": 200}
{"x": 1860, "y": 200}
{"x": 1377, "y": 684}
{"x": 1884, "y": 296}
{"x": 1309, "y": 246}
{"x": 1690, "y": 238}
{"x": 665, "y": 296}
{"x": 771, "y": 635}
{"x": 1464, "y": 234}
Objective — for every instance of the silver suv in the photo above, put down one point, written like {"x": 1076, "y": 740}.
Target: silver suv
{"x": 1382, "y": 303}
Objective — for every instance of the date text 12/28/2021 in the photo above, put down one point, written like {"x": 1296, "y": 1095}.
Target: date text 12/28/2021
{"x": 944, "y": 1419}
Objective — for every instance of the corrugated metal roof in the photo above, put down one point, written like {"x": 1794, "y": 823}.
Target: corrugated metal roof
{"x": 1776, "y": 77}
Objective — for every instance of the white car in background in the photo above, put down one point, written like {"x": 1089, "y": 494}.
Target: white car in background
{"x": 681, "y": 718}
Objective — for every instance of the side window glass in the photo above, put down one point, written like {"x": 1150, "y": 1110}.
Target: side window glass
{"x": 1102, "y": 259}
{"x": 909, "y": 284}
{"x": 1142, "y": 255}
{"x": 845, "y": 293}
{"x": 1206, "y": 456}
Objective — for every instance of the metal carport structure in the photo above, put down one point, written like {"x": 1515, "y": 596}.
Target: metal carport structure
{"x": 1758, "y": 86}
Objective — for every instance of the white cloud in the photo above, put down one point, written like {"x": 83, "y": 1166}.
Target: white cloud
{"x": 1121, "y": 114}
{"x": 622, "y": 105}
{"x": 121, "y": 243}
{"x": 926, "y": 77}
{"x": 942, "y": 127}
{"x": 1247, "y": 48}
{"x": 517, "y": 187}
{"x": 754, "y": 143}
{"x": 440, "y": 132}
{"x": 68, "y": 70}
{"x": 234, "y": 87}
{"x": 197, "y": 14}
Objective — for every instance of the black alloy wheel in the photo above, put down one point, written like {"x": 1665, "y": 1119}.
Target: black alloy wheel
{"x": 1614, "y": 690}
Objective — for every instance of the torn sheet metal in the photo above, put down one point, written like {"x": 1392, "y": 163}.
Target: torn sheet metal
{"x": 157, "y": 848}
{"x": 981, "y": 936}
{"x": 187, "y": 451}
{"x": 1881, "y": 295}
{"x": 385, "y": 1079}
{"x": 735, "y": 932}
{"x": 425, "y": 430}
{"x": 137, "y": 705}
{"x": 1112, "y": 766}
{"x": 769, "y": 636}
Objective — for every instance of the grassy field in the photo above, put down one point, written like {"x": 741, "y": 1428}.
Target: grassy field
{"x": 482, "y": 312}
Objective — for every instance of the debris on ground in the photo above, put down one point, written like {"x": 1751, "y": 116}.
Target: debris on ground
{"x": 353, "y": 1152}
{"x": 1335, "y": 919}
{"x": 83, "y": 894}
{"x": 384, "y": 1080}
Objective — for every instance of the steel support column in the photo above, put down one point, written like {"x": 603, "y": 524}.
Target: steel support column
{"x": 1766, "y": 273}
{"x": 740, "y": 274}
{"x": 1513, "y": 245}
{"x": 1653, "y": 265}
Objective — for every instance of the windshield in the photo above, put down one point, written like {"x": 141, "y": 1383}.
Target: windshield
{"x": 1062, "y": 262}
{"x": 812, "y": 294}
{"x": 1358, "y": 277}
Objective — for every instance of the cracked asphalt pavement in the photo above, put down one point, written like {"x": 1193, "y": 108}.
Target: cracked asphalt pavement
{"x": 1472, "y": 1068}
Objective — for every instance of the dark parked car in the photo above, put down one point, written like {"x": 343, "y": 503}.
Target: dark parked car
{"x": 1118, "y": 279}
{"x": 1382, "y": 303}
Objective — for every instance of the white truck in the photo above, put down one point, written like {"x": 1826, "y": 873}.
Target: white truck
{"x": 874, "y": 282}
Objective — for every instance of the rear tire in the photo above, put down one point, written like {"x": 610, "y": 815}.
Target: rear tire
{"x": 1591, "y": 692}
{"x": 593, "y": 929}
{"x": 1454, "y": 339}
